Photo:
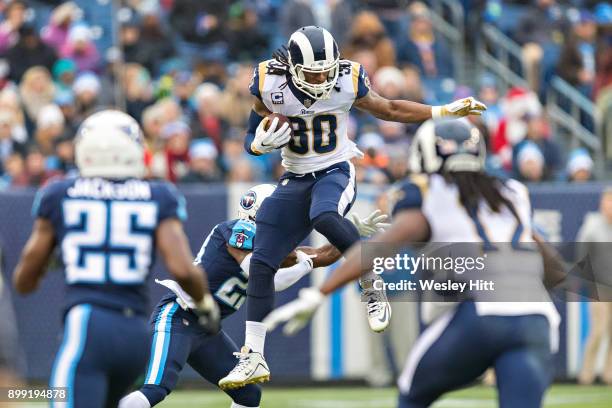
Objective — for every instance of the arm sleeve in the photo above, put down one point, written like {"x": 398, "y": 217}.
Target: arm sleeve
{"x": 361, "y": 82}
{"x": 243, "y": 235}
{"x": 409, "y": 197}
{"x": 46, "y": 201}
{"x": 254, "y": 86}
{"x": 254, "y": 120}
{"x": 284, "y": 277}
{"x": 172, "y": 204}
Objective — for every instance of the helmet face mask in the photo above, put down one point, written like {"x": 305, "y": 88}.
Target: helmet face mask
{"x": 447, "y": 146}
{"x": 312, "y": 52}
{"x": 317, "y": 91}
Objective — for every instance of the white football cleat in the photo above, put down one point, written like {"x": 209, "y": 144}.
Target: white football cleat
{"x": 251, "y": 369}
{"x": 379, "y": 309}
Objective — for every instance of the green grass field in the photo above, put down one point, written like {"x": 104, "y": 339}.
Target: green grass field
{"x": 561, "y": 396}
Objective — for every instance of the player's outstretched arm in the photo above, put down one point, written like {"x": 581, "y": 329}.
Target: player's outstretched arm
{"x": 323, "y": 256}
{"x": 174, "y": 248}
{"x": 284, "y": 277}
{"x": 409, "y": 112}
{"x": 34, "y": 257}
{"x": 408, "y": 226}
{"x": 175, "y": 251}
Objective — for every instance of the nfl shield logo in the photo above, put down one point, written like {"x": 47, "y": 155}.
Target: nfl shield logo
{"x": 307, "y": 103}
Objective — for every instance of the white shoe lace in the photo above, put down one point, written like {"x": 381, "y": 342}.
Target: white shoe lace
{"x": 243, "y": 362}
{"x": 375, "y": 307}
{"x": 375, "y": 302}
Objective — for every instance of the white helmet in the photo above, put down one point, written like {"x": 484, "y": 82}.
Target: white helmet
{"x": 109, "y": 144}
{"x": 252, "y": 199}
{"x": 450, "y": 145}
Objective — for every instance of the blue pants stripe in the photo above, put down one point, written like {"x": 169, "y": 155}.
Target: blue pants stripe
{"x": 161, "y": 342}
{"x": 71, "y": 350}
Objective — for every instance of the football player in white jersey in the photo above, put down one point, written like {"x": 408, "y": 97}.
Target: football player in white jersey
{"x": 457, "y": 202}
{"x": 309, "y": 83}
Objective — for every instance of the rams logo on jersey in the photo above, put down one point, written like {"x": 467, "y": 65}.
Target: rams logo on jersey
{"x": 248, "y": 200}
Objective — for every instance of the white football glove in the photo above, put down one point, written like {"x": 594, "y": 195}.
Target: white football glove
{"x": 296, "y": 313}
{"x": 370, "y": 225}
{"x": 459, "y": 108}
{"x": 267, "y": 140}
{"x": 304, "y": 258}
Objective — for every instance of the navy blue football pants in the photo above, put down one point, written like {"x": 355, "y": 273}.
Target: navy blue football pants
{"x": 101, "y": 356}
{"x": 300, "y": 203}
{"x": 459, "y": 346}
{"x": 178, "y": 339}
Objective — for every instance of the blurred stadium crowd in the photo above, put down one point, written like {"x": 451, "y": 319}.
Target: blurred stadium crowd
{"x": 182, "y": 69}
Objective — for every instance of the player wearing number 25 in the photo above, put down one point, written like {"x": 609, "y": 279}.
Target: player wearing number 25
{"x": 315, "y": 89}
{"x": 108, "y": 223}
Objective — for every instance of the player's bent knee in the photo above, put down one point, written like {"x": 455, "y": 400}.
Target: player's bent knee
{"x": 248, "y": 396}
{"x": 338, "y": 230}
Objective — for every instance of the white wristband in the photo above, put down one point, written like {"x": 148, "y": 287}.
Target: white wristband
{"x": 246, "y": 263}
{"x": 286, "y": 277}
{"x": 436, "y": 112}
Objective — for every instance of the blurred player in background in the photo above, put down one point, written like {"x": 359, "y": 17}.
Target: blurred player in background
{"x": 225, "y": 254}
{"x": 458, "y": 202}
{"x": 597, "y": 228}
{"x": 11, "y": 363}
{"x": 108, "y": 223}
{"x": 315, "y": 89}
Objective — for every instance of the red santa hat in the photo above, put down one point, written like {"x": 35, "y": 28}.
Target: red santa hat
{"x": 519, "y": 102}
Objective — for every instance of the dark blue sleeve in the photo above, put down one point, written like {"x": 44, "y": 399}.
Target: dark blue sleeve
{"x": 171, "y": 203}
{"x": 409, "y": 196}
{"x": 225, "y": 230}
{"x": 254, "y": 120}
{"x": 47, "y": 200}
{"x": 254, "y": 86}
{"x": 363, "y": 83}
{"x": 243, "y": 235}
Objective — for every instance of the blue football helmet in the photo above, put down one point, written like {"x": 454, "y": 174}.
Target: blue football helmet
{"x": 449, "y": 145}
{"x": 313, "y": 50}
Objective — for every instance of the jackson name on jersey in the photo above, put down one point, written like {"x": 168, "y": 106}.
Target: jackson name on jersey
{"x": 320, "y": 137}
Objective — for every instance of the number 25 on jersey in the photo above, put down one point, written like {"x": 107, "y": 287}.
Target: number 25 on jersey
{"x": 108, "y": 241}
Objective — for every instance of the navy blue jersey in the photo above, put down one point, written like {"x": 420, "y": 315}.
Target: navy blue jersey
{"x": 227, "y": 281}
{"x": 408, "y": 194}
{"x": 106, "y": 232}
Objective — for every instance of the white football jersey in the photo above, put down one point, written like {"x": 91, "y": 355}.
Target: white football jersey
{"x": 320, "y": 127}
{"x": 517, "y": 272}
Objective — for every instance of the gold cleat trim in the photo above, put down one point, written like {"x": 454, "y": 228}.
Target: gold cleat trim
{"x": 236, "y": 385}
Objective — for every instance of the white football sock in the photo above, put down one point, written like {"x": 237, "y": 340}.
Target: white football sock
{"x": 134, "y": 400}
{"x": 234, "y": 405}
{"x": 255, "y": 336}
